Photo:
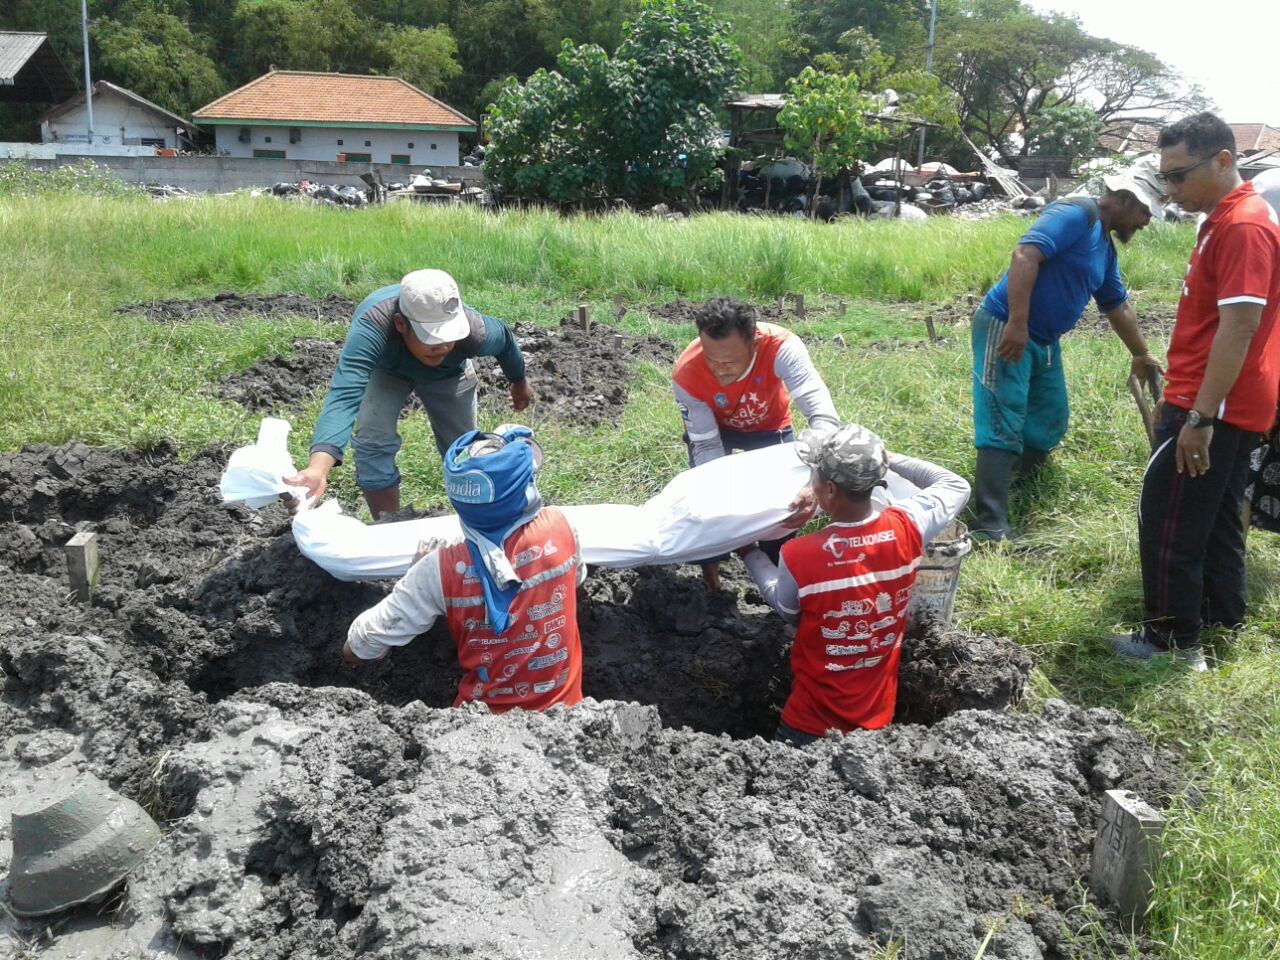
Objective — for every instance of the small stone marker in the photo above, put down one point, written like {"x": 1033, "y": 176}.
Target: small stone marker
{"x": 82, "y": 565}
{"x": 584, "y": 319}
{"x": 619, "y": 309}
{"x": 617, "y": 341}
{"x": 1125, "y": 853}
{"x": 799, "y": 302}
{"x": 933, "y": 333}
{"x": 844, "y": 307}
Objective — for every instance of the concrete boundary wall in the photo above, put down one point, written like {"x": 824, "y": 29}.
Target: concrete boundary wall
{"x": 225, "y": 174}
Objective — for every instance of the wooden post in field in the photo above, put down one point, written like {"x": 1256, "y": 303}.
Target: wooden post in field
{"x": 584, "y": 319}
{"x": 844, "y": 308}
{"x": 82, "y": 565}
{"x": 799, "y": 302}
{"x": 933, "y": 333}
{"x": 1125, "y": 853}
{"x": 619, "y": 309}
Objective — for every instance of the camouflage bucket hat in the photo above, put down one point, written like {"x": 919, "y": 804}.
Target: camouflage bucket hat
{"x": 852, "y": 456}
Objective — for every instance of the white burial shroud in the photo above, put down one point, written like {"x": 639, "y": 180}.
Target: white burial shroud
{"x": 703, "y": 512}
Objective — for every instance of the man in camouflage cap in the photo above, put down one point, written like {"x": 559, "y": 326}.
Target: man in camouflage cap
{"x": 847, "y": 586}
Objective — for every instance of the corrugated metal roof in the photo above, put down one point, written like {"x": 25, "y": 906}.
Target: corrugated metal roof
{"x": 303, "y": 97}
{"x": 15, "y": 50}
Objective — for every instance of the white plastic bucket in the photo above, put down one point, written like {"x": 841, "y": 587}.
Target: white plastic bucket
{"x": 934, "y": 595}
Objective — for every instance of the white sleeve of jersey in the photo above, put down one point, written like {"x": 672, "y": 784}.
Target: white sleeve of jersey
{"x": 795, "y": 368}
{"x": 700, "y": 426}
{"x": 776, "y": 585}
{"x": 942, "y": 495}
{"x": 407, "y": 611}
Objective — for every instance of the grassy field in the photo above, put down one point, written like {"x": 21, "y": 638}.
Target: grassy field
{"x": 70, "y": 367}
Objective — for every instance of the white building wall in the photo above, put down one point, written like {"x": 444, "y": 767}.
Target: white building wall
{"x": 423, "y": 147}
{"x": 115, "y": 121}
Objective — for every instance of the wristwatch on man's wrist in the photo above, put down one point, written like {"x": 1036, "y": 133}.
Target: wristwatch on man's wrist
{"x": 1196, "y": 419}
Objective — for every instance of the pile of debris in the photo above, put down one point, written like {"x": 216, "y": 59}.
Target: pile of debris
{"x": 425, "y": 187}
{"x": 339, "y": 196}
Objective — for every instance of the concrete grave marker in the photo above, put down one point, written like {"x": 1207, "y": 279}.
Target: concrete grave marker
{"x": 799, "y": 304}
{"x": 619, "y": 308}
{"x": 1125, "y": 853}
{"x": 82, "y": 565}
{"x": 584, "y": 318}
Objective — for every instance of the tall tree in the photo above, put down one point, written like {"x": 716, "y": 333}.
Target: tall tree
{"x": 155, "y": 54}
{"x": 427, "y": 58}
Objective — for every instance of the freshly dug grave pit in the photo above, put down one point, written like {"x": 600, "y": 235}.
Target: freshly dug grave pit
{"x": 360, "y": 819}
{"x": 578, "y": 377}
{"x": 230, "y": 306}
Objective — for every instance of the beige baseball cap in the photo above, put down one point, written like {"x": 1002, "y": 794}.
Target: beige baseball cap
{"x": 1142, "y": 179}
{"x": 430, "y": 301}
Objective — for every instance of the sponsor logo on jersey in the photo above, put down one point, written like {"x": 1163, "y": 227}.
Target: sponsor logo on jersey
{"x": 851, "y": 608}
{"x": 483, "y": 673}
{"x": 540, "y": 611}
{"x": 883, "y": 603}
{"x": 836, "y": 546}
{"x": 475, "y": 623}
{"x": 508, "y": 671}
{"x": 860, "y": 664}
{"x": 884, "y": 622}
{"x": 527, "y": 556}
{"x": 548, "y": 660}
{"x": 522, "y": 689}
{"x": 528, "y": 635}
{"x": 841, "y": 632}
{"x": 845, "y": 650}
{"x": 522, "y": 651}
{"x": 486, "y": 641}
{"x": 477, "y": 691}
{"x": 486, "y": 657}
{"x": 555, "y": 624}
{"x": 902, "y": 596}
{"x": 554, "y": 641}
{"x": 722, "y": 400}
{"x": 499, "y": 692}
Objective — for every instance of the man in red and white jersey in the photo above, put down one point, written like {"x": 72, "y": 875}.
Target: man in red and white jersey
{"x": 1223, "y": 365}
{"x": 734, "y": 385}
{"x": 847, "y": 586}
{"x": 508, "y": 590}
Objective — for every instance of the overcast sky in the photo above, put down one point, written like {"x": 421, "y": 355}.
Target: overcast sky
{"x": 1235, "y": 56}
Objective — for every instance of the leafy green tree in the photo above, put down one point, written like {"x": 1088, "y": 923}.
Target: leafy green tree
{"x": 762, "y": 30}
{"x": 426, "y": 57}
{"x": 155, "y": 54}
{"x": 828, "y": 119}
{"x": 639, "y": 124}
{"x": 294, "y": 35}
{"x": 1068, "y": 130}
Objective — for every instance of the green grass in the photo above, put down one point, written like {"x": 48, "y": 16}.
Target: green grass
{"x": 72, "y": 368}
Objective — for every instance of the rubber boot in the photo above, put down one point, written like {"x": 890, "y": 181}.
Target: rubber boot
{"x": 1031, "y": 462}
{"x": 382, "y": 501}
{"x": 991, "y": 494}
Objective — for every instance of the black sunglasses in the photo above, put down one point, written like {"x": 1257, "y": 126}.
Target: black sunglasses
{"x": 1180, "y": 175}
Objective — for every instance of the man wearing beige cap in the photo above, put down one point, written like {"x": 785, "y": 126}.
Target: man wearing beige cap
{"x": 415, "y": 336}
{"x": 1066, "y": 258}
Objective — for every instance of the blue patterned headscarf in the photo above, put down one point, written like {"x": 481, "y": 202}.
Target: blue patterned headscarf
{"x": 493, "y": 493}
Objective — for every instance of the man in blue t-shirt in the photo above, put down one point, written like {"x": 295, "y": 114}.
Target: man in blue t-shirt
{"x": 1019, "y": 393}
{"x": 413, "y": 336}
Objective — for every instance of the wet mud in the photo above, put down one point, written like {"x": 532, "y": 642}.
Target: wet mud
{"x": 229, "y": 306}
{"x": 317, "y": 810}
{"x": 577, "y": 377}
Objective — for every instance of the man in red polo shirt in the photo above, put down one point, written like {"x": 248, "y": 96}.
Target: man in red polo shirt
{"x": 1223, "y": 364}
{"x": 734, "y": 385}
{"x": 847, "y": 587}
{"x": 508, "y": 590}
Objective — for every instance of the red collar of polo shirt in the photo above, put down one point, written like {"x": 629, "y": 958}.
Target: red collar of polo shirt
{"x": 1227, "y": 203}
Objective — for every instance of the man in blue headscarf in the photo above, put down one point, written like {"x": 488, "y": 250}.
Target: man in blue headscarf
{"x": 508, "y": 589}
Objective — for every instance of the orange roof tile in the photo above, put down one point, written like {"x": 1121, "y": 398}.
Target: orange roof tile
{"x": 301, "y": 97}
{"x": 1255, "y": 136}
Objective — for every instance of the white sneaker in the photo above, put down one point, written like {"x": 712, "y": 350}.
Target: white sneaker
{"x": 1134, "y": 645}
{"x": 1192, "y": 658}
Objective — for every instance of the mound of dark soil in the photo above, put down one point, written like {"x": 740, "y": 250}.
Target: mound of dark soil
{"x": 685, "y": 311}
{"x": 326, "y": 811}
{"x": 577, "y": 377}
{"x": 231, "y": 306}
